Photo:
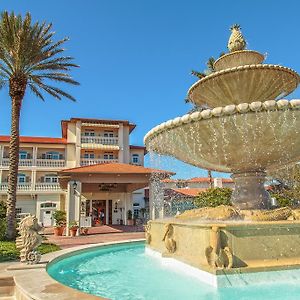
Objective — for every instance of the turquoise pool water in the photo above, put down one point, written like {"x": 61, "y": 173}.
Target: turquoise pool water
{"x": 125, "y": 272}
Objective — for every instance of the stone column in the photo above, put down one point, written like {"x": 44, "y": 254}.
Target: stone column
{"x": 1, "y": 154}
{"x": 73, "y": 202}
{"x": 121, "y": 146}
{"x": 249, "y": 191}
{"x": 34, "y": 156}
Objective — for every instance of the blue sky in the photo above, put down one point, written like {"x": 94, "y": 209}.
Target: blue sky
{"x": 136, "y": 56}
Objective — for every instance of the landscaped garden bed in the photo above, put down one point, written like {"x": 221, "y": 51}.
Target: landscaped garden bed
{"x": 8, "y": 251}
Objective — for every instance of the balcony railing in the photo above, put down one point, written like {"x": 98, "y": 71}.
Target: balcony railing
{"x": 89, "y": 161}
{"x": 48, "y": 163}
{"x": 51, "y": 163}
{"x": 99, "y": 140}
{"x": 20, "y": 187}
{"x": 22, "y": 162}
{"x": 28, "y": 187}
{"x": 47, "y": 186}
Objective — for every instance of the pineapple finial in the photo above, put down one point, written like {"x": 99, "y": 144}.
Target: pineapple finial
{"x": 236, "y": 41}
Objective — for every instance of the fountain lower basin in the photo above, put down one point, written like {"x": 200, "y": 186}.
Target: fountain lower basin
{"x": 220, "y": 248}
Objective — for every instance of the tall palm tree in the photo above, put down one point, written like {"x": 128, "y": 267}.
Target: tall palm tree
{"x": 29, "y": 58}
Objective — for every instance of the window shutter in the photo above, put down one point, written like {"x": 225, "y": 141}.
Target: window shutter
{"x": 28, "y": 155}
{"x": 42, "y": 179}
{"x": 27, "y": 179}
{"x": 61, "y": 156}
{"x": 43, "y": 156}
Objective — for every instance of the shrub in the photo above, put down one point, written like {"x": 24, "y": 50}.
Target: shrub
{"x": 283, "y": 198}
{"x": 214, "y": 197}
{"x": 60, "y": 217}
{"x": 2, "y": 221}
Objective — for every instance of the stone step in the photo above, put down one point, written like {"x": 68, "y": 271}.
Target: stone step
{"x": 7, "y": 287}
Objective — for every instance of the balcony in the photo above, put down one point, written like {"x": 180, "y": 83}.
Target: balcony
{"x": 45, "y": 186}
{"x": 47, "y": 163}
{"x": 20, "y": 187}
{"x": 89, "y": 161}
{"x": 22, "y": 162}
{"x": 51, "y": 163}
{"x": 99, "y": 140}
{"x": 27, "y": 187}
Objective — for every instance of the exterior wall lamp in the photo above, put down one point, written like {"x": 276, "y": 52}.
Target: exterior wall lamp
{"x": 74, "y": 187}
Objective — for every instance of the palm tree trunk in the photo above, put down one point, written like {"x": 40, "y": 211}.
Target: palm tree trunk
{"x": 16, "y": 91}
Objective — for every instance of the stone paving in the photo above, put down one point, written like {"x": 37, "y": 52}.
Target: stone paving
{"x": 101, "y": 234}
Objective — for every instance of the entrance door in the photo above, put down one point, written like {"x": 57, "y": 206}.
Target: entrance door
{"x": 47, "y": 218}
{"x": 99, "y": 212}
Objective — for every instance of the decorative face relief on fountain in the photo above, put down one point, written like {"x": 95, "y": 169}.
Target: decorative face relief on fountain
{"x": 246, "y": 131}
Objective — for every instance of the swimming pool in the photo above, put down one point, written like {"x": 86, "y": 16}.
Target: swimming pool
{"x": 124, "y": 272}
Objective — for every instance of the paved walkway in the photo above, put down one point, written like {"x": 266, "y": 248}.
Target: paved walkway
{"x": 101, "y": 234}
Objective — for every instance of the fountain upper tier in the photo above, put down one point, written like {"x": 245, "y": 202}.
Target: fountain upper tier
{"x": 241, "y": 78}
{"x": 235, "y": 138}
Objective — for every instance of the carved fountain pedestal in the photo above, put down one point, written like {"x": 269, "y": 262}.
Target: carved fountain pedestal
{"x": 246, "y": 131}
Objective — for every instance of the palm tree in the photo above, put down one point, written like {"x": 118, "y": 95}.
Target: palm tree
{"x": 29, "y": 58}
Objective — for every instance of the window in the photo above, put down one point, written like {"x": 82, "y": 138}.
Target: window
{"x": 108, "y": 134}
{"x": 136, "y": 213}
{"x": 108, "y": 155}
{"x": 21, "y": 178}
{"x": 23, "y": 155}
{"x": 89, "y": 155}
{"x": 89, "y": 133}
{"x": 52, "y": 155}
{"x": 135, "y": 158}
{"x": 136, "y": 204}
{"x": 18, "y": 210}
{"x": 48, "y": 205}
{"x": 51, "y": 178}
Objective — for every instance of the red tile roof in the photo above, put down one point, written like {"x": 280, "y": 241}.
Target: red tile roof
{"x": 35, "y": 139}
{"x": 193, "y": 192}
{"x": 115, "y": 168}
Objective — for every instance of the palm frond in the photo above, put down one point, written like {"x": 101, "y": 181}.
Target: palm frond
{"x": 28, "y": 50}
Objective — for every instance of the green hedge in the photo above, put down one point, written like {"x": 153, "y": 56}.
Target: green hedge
{"x": 9, "y": 252}
{"x": 214, "y": 197}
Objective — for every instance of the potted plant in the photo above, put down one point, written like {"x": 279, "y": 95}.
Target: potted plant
{"x": 129, "y": 217}
{"x": 84, "y": 230}
{"x": 60, "y": 222}
{"x": 73, "y": 227}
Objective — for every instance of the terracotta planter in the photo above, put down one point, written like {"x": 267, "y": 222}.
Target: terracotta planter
{"x": 84, "y": 231}
{"x": 130, "y": 222}
{"x": 73, "y": 231}
{"x": 58, "y": 231}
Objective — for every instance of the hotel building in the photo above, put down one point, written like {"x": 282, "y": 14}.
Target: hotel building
{"x": 92, "y": 161}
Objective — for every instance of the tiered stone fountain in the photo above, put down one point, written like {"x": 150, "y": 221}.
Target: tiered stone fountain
{"x": 246, "y": 131}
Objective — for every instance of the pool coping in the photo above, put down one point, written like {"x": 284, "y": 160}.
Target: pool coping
{"x": 39, "y": 285}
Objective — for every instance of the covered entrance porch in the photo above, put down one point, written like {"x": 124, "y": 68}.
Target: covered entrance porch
{"x": 102, "y": 193}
